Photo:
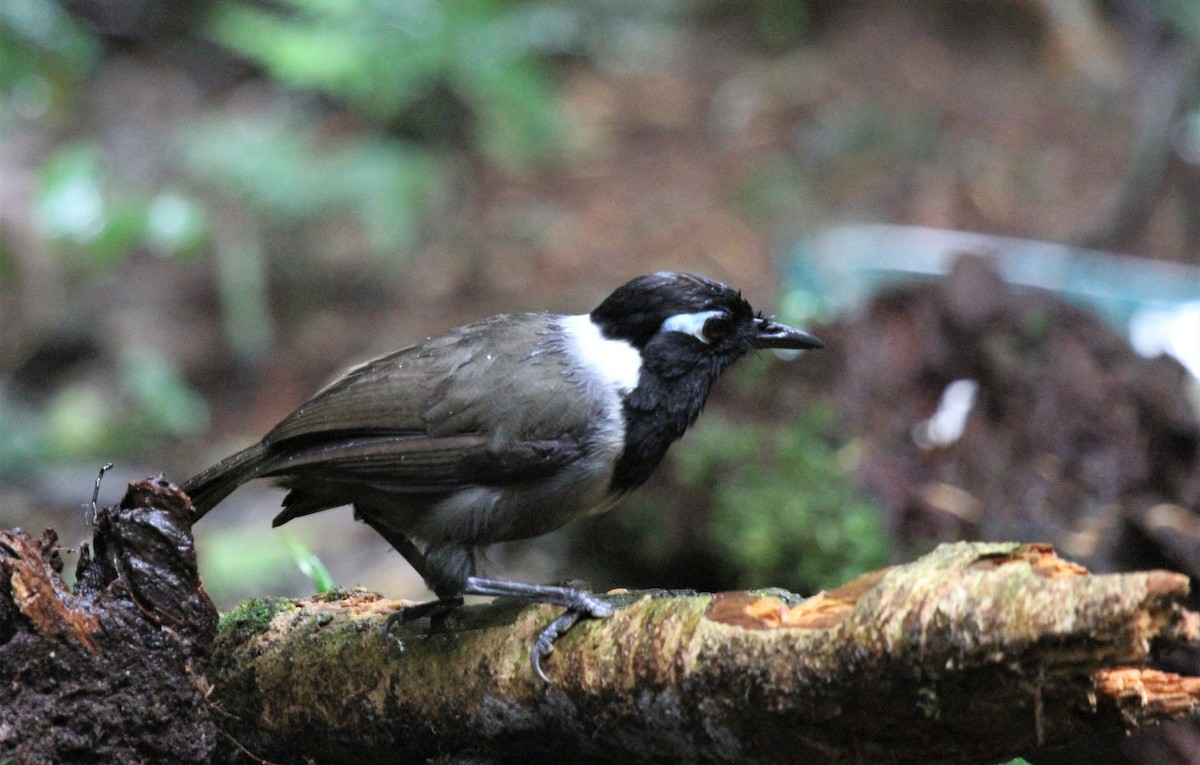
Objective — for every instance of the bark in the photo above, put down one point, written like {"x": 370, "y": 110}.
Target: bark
{"x": 974, "y": 653}
{"x": 112, "y": 672}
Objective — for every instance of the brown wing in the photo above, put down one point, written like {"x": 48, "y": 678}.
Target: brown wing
{"x": 441, "y": 414}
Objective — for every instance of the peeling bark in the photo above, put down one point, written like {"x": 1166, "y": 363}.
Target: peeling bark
{"x": 976, "y": 652}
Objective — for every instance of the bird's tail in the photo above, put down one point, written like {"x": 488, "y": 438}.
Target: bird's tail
{"x": 210, "y": 486}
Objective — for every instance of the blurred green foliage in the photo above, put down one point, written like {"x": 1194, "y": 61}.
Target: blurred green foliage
{"x": 861, "y": 133}
{"x": 777, "y": 24}
{"x": 23, "y": 441}
{"x": 242, "y": 561}
{"x": 83, "y": 216}
{"x": 783, "y": 511}
{"x": 422, "y": 80}
{"x": 385, "y": 101}
{"x": 161, "y": 401}
{"x": 95, "y": 223}
{"x": 282, "y": 166}
{"x": 782, "y": 23}
{"x": 384, "y": 59}
{"x": 754, "y": 503}
{"x": 43, "y": 54}
{"x": 82, "y": 419}
{"x": 1182, "y": 15}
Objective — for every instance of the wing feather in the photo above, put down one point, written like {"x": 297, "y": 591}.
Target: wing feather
{"x": 441, "y": 415}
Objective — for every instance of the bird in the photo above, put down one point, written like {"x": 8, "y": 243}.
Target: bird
{"x": 506, "y": 429}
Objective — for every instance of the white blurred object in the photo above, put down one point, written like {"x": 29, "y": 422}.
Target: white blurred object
{"x": 1175, "y": 332}
{"x": 948, "y": 422}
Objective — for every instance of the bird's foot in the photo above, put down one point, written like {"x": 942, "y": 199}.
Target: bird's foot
{"x": 579, "y": 604}
{"x": 436, "y": 610}
{"x": 543, "y": 646}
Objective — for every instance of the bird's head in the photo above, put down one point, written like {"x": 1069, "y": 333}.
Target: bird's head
{"x": 681, "y": 319}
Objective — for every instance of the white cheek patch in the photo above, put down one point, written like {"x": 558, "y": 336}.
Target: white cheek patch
{"x": 690, "y": 324}
{"x": 616, "y": 362}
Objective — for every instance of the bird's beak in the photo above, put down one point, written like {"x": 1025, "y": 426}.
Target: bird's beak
{"x": 770, "y": 334}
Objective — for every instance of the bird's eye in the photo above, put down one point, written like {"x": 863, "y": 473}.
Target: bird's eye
{"x": 716, "y": 328}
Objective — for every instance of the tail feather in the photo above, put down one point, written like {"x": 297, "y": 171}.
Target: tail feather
{"x": 210, "y": 486}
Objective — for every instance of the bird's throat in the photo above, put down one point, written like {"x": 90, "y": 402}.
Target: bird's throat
{"x": 656, "y": 415}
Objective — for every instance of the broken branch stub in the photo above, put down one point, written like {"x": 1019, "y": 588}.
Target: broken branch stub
{"x": 112, "y": 672}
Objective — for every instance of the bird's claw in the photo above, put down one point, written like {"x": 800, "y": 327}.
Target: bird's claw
{"x": 579, "y": 604}
{"x": 434, "y": 609}
{"x": 393, "y": 619}
{"x": 586, "y": 605}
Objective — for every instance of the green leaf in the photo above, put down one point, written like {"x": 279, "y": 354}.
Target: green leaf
{"x": 309, "y": 564}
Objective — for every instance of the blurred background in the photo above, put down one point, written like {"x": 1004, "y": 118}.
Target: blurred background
{"x": 989, "y": 210}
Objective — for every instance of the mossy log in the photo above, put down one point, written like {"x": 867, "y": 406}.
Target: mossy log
{"x": 974, "y": 653}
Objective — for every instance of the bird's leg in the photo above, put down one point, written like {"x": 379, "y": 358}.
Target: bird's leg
{"x": 448, "y": 569}
{"x": 573, "y": 598}
{"x": 434, "y": 609}
{"x": 579, "y": 603}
